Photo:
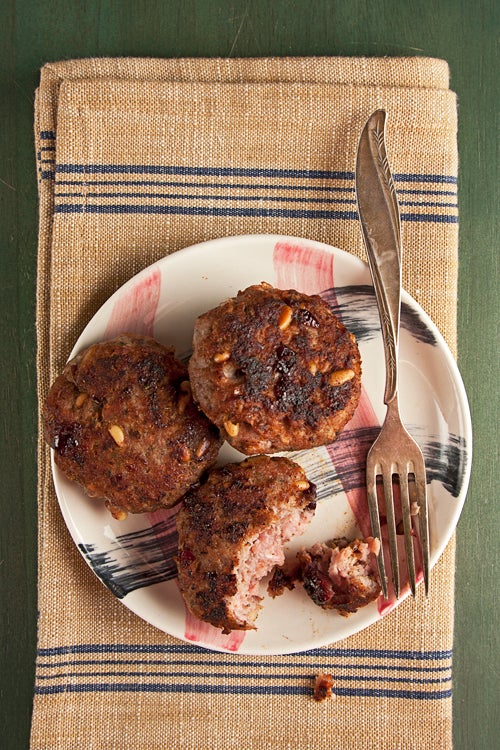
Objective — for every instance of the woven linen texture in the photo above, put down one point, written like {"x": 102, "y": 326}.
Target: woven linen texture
{"x": 138, "y": 158}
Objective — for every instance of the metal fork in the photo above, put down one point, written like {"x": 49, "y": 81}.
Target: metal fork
{"x": 394, "y": 460}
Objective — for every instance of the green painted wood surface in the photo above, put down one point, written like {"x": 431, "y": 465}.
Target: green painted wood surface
{"x": 463, "y": 32}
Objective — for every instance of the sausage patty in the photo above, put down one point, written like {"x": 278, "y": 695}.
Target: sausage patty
{"x": 122, "y": 424}
{"x": 232, "y": 529}
{"x": 275, "y": 370}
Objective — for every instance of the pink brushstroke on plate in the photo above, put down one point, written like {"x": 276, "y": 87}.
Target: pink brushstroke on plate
{"x": 163, "y": 524}
{"x": 311, "y": 270}
{"x": 208, "y": 635}
{"x": 303, "y": 267}
{"x": 135, "y": 310}
{"x": 348, "y": 454}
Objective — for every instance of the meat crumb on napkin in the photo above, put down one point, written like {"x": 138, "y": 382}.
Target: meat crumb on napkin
{"x": 323, "y": 685}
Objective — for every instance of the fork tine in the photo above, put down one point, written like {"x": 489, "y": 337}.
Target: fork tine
{"x": 407, "y": 526}
{"x": 391, "y": 528}
{"x": 423, "y": 521}
{"x": 371, "y": 486}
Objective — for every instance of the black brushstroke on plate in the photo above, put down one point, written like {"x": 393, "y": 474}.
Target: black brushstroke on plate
{"x": 145, "y": 557}
{"x": 446, "y": 462}
{"x": 355, "y": 305}
{"x": 137, "y": 559}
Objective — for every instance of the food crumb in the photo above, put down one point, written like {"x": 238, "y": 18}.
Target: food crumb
{"x": 323, "y": 684}
{"x": 283, "y": 577}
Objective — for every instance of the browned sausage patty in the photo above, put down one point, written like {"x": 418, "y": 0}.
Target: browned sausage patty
{"x": 275, "y": 370}
{"x": 232, "y": 530}
{"x": 122, "y": 424}
{"x": 341, "y": 575}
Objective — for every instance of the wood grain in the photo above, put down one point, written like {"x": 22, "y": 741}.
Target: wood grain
{"x": 460, "y": 31}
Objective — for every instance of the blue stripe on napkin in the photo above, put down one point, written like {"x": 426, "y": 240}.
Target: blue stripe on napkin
{"x": 235, "y": 191}
{"x": 158, "y": 668}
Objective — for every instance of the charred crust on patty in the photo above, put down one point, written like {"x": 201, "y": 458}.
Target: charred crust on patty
{"x": 114, "y": 421}
{"x": 275, "y": 370}
{"x": 232, "y": 530}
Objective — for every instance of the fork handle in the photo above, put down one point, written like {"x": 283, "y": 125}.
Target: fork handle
{"x": 381, "y": 228}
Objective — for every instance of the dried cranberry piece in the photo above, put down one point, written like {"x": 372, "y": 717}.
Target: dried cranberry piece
{"x": 318, "y": 585}
{"x": 67, "y": 438}
{"x": 185, "y": 557}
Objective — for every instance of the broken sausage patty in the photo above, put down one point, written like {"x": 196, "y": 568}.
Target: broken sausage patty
{"x": 122, "y": 424}
{"x": 275, "y": 370}
{"x": 232, "y": 530}
{"x": 341, "y": 575}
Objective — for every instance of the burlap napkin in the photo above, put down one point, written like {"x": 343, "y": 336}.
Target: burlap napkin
{"x": 138, "y": 158}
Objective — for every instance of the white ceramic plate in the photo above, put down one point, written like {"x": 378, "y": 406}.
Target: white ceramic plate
{"x": 134, "y": 558}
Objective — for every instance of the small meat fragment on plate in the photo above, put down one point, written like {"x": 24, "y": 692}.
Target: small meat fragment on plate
{"x": 323, "y": 685}
{"x": 283, "y": 577}
{"x": 232, "y": 531}
{"x": 341, "y": 575}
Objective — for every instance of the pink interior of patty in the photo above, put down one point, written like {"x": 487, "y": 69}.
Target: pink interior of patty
{"x": 345, "y": 563}
{"x": 260, "y": 556}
